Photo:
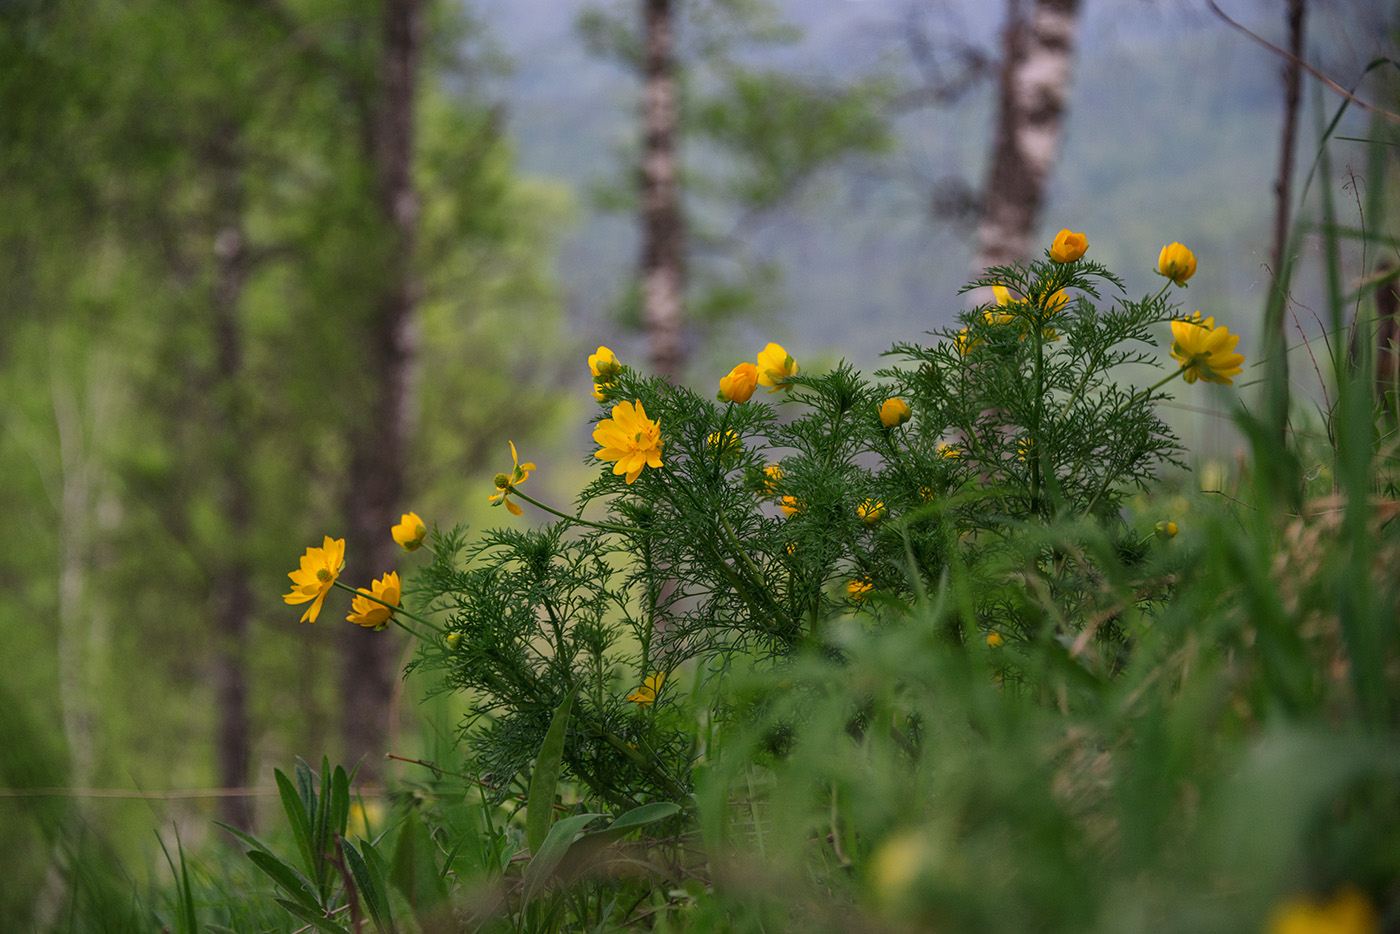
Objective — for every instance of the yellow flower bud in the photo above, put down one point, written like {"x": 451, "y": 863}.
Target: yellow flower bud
{"x": 994, "y": 639}
{"x": 1068, "y": 246}
{"x": 894, "y": 412}
{"x": 1176, "y": 263}
{"x": 1166, "y": 529}
{"x": 410, "y": 532}
{"x": 739, "y": 385}
{"x": 604, "y": 365}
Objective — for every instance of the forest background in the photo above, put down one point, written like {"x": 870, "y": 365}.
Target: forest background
{"x": 198, "y": 238}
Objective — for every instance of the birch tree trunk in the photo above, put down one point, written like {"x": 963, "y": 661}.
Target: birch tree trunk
{"x": 1037, "y": 66}
{"x": 662, "y": 272}
{"x": 380, "y": 437}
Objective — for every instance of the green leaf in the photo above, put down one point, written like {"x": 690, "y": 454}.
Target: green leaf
{"x": 246, "y": 838}
{"x": 318, "y": 921}
{"x": 296, "y": 810}
{"x": 369, "y": 877}
{"x": 285, "y": 875}
{"x": 561, "y": 835}
{"x": 415, "y": 871}
{"x": 321, "y": 828}
{"x": 340, "y": 801}
{"x": 586, "y": 849}
{"x": 539, "y": 811}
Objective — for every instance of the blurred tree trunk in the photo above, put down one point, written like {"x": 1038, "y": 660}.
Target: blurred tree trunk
{"x": 1275, "y": 338}
{"x": 662, "y": 273}
{"x": 379, "y": 437}
{"x": 231, "y": 589}
{"x": 1036, "y": 70}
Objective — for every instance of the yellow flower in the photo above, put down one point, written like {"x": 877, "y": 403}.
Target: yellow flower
{"x": 1004, "y": 300}
{"x": 729, "y": 444}
{"x": 410, "y": 532}
{"x": 1166, "y": 529}
{"x": 1176, "y": 263}
{"x": 365, "y": 815}
{"x": 739, "y": 385}
{"x": 1068, "y": 246}
{"x": 871, "y": 511}
{"x": 894, "y": 412}
{"x": 775, "y": 368}
{"x": 314, "y": 579}
{"x": 857, "y": 588}
{"x": 646, "y": 694}
{"x": 505, "y": 483}
{"x": 604, "y": 365}
{"x": 771, "y": 475}
{"x": 1023, "y": 448}
{"x": 630, "y": 438}
{"x": 964, "y": 343}
{"x": 1206, "y": 351}
{"x": 994, "y": 639}
{"x": 790, "y": 506}
{"x": 1348, "y": 912}
{"x": 371, "y": 615}
{"x": 949, "y": 451}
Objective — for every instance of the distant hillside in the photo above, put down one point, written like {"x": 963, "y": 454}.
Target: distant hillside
{"x": 1172, "y": 136}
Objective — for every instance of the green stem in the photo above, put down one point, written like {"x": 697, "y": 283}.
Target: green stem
{"x": 576, "y": 520}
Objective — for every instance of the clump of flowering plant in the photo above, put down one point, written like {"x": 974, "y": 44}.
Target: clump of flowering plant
{"x": 719, "y": 524}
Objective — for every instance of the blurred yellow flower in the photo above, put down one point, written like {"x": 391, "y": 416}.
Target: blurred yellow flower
{"x": 964, "y": 342}
{"x": 1056, "y": 300}
{"x": 790, "y": 506}
{"x": 857, "y": 588}
{"x": 1004, "y": 300}
{"x": 894, "y": 412}
{"x": 1023, "y": 448}
{"x": 410, "y": 532}
{"x": 729, "y": 444}
{"x": 365, "y": 815}
{"x": 371, "y": 615}
{"x": 646, "y": 694}
{"x": 1176, "y": 263}
{"x": 772, "y": 473}
{"x": 1068, "y": 246}
{"x": 871, "y": 511}
{"x": 949, "y": 451}
{"x": 1167, "y": 528}
{"x": 316, "y": 576}
{"x": 629, "y": 438}
{"x": 994, "y": 639}
{"x": 1206, "y": 351}
{"x": 1347, "y": 912}
{"x": 739, "y": 385}
{"x": 775, "y": 368}
{"x": 604, "y": 365}
{"x": 505, "y": 483}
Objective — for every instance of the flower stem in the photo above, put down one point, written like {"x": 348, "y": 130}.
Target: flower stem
{"x": 577, "y": 520}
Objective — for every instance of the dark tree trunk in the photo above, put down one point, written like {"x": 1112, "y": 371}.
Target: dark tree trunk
{"x": 1274, "y": 336}
{"x": 662, "y": 273}
{"x": 1036, "y": 70}
{"x": 232, "y": 593}
{"x": 379, "y": 440}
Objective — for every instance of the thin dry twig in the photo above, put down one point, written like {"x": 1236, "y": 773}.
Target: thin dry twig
{"x": 1392, "y": 117}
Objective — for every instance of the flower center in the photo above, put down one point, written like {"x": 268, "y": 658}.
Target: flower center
{"x": 324, "y": 576}
{"x": 502, "y": 482}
